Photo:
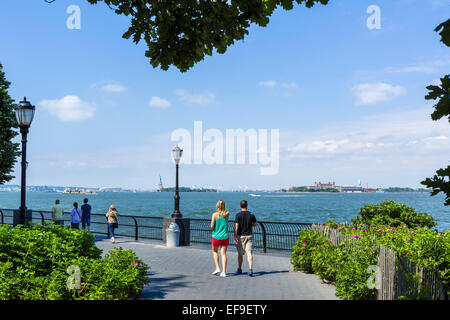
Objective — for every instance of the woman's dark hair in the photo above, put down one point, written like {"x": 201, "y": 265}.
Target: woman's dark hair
{"x": 244, "y": 204}
{"x": 75, "y": 204}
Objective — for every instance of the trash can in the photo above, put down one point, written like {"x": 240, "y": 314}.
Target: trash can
{"x": 172, "y": 235}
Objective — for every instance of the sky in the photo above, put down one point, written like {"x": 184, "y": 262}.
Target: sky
{"x": 344, "y": 100}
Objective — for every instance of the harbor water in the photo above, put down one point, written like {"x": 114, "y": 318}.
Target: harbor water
{"x": 289, "y": 207}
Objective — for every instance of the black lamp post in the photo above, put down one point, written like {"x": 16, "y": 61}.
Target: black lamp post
{"x": 24, "y": 115}
{"x": 177, "y": 152}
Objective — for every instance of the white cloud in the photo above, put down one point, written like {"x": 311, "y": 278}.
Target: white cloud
{"x": 328, "y": 146}
{"x": 270, "y": 83}
{"x": 69, "y": 108}
{"x": 289, "y": 85}
{"x": 273, "y": 84}
{"x": 158, "y": 102}
{"x": 372, "y": 93}
{"x": 113, "y": 88}
{"x": 424, "y": 67}
{"x": 399, "y": 136}
{"x": 420, "y": 69}
{"x": 192, "y": 98}
{"x": 285, "y": 89}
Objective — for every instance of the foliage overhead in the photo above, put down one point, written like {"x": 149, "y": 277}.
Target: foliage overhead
{"x": 445, "y": 33}
{"x": 8, "y": 150}
{"x": 441, "y": 92}
{"x": 181, "y": 33}
{"x": 440, "y": 182}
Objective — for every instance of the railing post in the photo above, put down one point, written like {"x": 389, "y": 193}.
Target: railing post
{"x": 42, "y": 217}
{"x": 1, "y": 212}
{"x": 264, "y": 237}
{"x": 136, "y": 230}
{"x": 107, "y": 227}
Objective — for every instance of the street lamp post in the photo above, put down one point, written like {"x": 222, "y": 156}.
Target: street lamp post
{"x": 177, "y": 152}
{"x": 24, "y": 115}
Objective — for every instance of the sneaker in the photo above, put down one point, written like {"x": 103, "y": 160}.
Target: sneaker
{"x": 238, "y": 271}
{"x": 216, "y": 271}
{"x": 250, "y": 273}
{"x": 223, "y": 274}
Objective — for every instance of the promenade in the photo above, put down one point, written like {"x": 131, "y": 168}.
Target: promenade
{"x": 184, "y": 273}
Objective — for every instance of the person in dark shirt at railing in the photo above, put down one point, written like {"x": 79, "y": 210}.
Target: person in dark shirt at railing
{"x": 86, "y": 215}
{"x": 243, "y": 236}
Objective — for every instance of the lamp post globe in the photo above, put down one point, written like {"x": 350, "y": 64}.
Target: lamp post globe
{"x": 24, "y": 115}
{"x": 177, "y": 153}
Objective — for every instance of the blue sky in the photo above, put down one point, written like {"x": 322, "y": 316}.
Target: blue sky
{"x": 348, "y": 101}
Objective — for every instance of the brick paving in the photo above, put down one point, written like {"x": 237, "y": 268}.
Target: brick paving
{"x": 184, "y": 273}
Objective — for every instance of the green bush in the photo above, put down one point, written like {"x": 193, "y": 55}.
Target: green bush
{"x": 34, "y": 265}
{"x": 427, "y": 248}
{"x": 301, "y": 256}
{"x": 351, "y": 280}
{"x": 326, "y": 261}
{"x": 347, "y": 267}
{"x": 394, "y": 215}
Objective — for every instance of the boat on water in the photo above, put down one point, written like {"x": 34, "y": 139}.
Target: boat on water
{"x": 254, "y": 195}
{"x": 77, "y": 191}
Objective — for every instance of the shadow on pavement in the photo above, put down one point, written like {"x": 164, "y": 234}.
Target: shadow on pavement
{"x": 262, "y": 273}
{"x": 160, "y": 287}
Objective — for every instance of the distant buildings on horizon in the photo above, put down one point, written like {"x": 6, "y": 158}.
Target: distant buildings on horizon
{"x": 332, "y": 187}
{"x": 318, "y": 187}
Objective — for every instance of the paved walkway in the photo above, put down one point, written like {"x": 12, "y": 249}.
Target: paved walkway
{"x": 185, "y": 273}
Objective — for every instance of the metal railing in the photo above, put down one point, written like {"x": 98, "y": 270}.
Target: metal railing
{"x": 267, "y": 235}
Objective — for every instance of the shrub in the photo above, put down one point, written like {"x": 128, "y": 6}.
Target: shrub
{"x": 34, "y": 263}
{"x": 326, "y": 261}
{"x": 121, "y": 275}
{"x": 347, "y": 267}
{"x": 301, "y": 256}
{"x": 394, "y": 215}
{"x": 351, "y": 280}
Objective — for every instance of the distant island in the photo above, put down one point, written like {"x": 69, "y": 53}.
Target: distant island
{"x": 398, "y": 189}
{"x": 332, "y": 187}
{"x": 318, "y": 187}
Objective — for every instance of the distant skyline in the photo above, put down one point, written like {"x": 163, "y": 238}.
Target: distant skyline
{"x": 348, "y": 101}
{"x": 239, "y": 188}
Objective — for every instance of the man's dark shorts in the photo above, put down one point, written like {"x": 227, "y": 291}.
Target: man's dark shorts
{"x": 85, "y": 221}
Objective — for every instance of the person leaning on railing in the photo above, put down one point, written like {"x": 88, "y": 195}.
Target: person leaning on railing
{"x": 57, "y": 213}
{"x": 76, "y": 217}
{"x": 113, "y": 221}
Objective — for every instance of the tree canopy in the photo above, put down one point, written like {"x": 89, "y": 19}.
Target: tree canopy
{"x": 444, "y": 27}
{"x": 182, "y": 33}
{"x": 441, "y": 92}
{"x": 440, "y": 182}
{"x": 8, "y": 149}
